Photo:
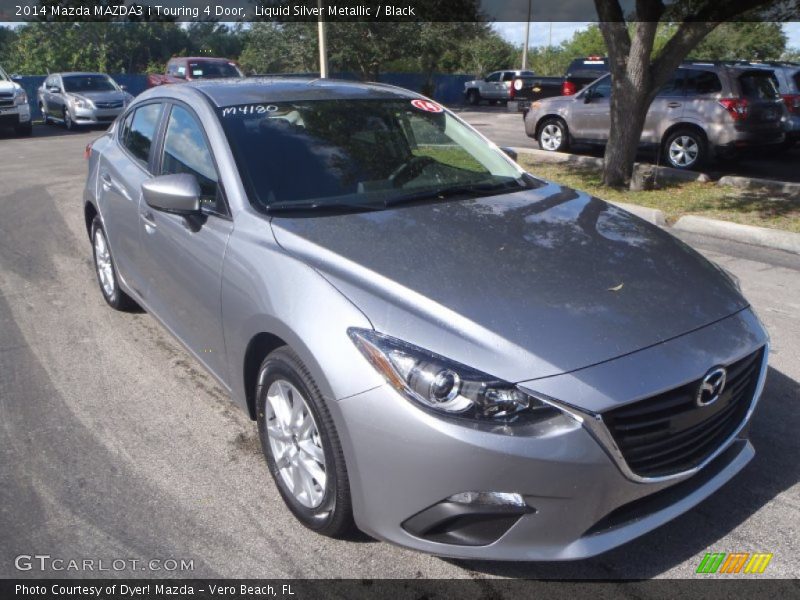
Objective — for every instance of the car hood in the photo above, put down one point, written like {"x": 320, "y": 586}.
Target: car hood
{"x": 112, "y": 96}
{"x": 8, "y": 86}
{"x": 523, "y": 285}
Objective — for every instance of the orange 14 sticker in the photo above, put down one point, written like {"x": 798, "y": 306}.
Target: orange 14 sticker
{"x": 427, "y": 105}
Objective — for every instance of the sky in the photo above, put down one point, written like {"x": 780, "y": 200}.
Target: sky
{"x": 540, "y": 32}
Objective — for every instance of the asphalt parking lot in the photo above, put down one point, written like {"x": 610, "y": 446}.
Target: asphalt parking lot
{"x": 115, "y": 444}
{"x": 507, "y": 129}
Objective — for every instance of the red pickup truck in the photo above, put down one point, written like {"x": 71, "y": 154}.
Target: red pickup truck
{"x": 191, "y": 68}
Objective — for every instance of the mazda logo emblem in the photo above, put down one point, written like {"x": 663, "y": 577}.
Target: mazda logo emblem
{"x": 711, "y": 387}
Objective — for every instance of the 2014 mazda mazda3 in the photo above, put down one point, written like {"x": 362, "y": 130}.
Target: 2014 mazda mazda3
{"x": 438, "y": 347}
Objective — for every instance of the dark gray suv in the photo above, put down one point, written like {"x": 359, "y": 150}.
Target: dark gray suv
{"x": 705, "y": 109}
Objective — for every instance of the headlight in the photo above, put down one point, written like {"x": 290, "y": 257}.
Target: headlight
{"x": 80, "y": 102}
{"x": 445, "y": 386}
{"x": 20, "y": 97}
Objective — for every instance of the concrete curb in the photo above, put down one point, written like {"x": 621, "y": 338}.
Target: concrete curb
{"x": 750, "y": 183}
{"x": 561, "y": 157}
{"x": 746, "y": 234}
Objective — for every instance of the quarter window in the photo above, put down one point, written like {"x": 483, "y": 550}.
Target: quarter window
{"x": 186, "y": 151}
{"x": 139, "y": 138}
{"x": 673, "y": 87}
{"x": 702, "y": 82}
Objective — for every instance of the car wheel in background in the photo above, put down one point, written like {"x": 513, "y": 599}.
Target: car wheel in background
{"x": 106, "y": 271}
{"x": 554, "y": 136}
{"x": 68, "y": 122}
{"x": 45, "y": 116}
{"x": 473, "y": 97}
{"x": 685, "y": 149}
{"x": 301, "y": 446}
{"x": 24, "y": 129}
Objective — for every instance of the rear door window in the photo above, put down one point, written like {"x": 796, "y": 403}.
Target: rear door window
{"x": 142, "y": 131}
{"x": 702, "y": 82}
{"x": 759, "y": 85}
{"x": 673, "y": 87}
{"x": 493, "y": 77}
{"x": 508, "y": 75}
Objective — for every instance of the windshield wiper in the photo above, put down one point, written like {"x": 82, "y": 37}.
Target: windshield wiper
{"x": 321, "y": 206}
{"x": 475, "y": 190}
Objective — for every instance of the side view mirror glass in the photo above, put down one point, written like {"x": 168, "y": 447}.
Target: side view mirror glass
{"x": 178, "y": 193}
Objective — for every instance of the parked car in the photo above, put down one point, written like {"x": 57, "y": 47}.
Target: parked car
{"x": 14, "y": 110}
{"x": 181, "y": 69}
{"x": 704, "y": 110}
{"x": 494, "y": 87}
{"x": 76, "y": 99}
{"x": 787, "y": 78}
{"x": 457, "y": 356}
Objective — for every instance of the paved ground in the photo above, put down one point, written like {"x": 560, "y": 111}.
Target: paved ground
{"x": 506, "y": 129}
{"x": 115, "y": 445}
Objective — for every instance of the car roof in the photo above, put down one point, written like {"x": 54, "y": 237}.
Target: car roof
{"x": 254, "y": 90}
{"x": 79, "y": 73}
{"x": 205, "y": 58}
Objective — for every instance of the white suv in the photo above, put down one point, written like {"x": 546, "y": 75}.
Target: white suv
{"x": 14, "y": 109}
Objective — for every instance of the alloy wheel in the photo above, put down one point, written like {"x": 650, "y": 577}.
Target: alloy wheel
{"x": 683, "y": 151}
{"x": 102, "y": 260}
{"x": 295, "y": 442}
{"x": 551, "y": 137}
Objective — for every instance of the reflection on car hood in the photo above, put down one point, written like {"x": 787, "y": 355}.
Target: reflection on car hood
{"x": 522, "y": 285}
{"x": 8, "y": 86}
{"x": 111, "y": 96}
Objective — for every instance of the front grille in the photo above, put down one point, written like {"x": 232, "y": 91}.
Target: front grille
{"x": 116, "y": 104}
{"x": 670, "y": 433}
{"x": 6, "y": 103}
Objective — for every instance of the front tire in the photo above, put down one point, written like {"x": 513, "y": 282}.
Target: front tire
{"x": 301, "y": 446}
{"x": 473, "y": 97}
{"x": 554, "y": 136}
{"x": 685, "y": 149}
{"x": 106, "y": 271}
{"x": 45, "y": 116}
{"x": 68, "y": 122}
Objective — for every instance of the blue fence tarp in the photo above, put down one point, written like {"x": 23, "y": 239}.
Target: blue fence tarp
{"x": 447, "y": 88}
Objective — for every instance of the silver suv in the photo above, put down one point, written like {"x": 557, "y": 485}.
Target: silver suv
{"x": 704, "y": 110}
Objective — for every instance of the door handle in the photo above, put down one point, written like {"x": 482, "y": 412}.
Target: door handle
{"x": 674, "y": 105}
{"x": 108, "y": 183}
{"x": 149, "y": 221}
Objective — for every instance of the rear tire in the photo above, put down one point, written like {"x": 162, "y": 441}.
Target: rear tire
{"x": 554, "y": 135}
{"x": 685, "y": 149}
{"x": 473, "y": 97}
{"x": 301, "y": 445}
{"x": 106, "y": 271}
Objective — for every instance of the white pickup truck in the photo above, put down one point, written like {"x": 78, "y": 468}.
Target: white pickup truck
{"x": 494, "y": 87}
{"x": 14, "y": 109}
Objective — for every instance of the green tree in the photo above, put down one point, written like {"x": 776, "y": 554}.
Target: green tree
{"x": 742, "y": 41}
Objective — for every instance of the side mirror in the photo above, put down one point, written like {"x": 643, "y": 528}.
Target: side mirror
{"x": 587, "y": 97}
{"x": 510, "y": 152}
{"x": 178, "y": 194}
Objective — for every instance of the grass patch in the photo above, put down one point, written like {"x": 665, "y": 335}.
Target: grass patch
{"x": 749, "y": 207}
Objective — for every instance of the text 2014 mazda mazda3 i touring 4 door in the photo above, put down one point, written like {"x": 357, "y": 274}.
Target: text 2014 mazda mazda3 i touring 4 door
{"x": 439, "y": 348}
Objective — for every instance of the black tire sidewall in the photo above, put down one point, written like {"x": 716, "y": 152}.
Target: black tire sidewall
{"x": 284, "y": 364}
{"x": 473, "y": 97}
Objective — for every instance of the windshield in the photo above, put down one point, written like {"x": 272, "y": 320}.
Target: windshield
{"x": 213, "y": 70}
{"x": 360, "y": 153}
{"x": 89, "y": 83}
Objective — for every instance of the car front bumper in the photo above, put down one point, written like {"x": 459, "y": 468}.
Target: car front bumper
{"x": 95, "y": 116}
{"x": 404, "y": 464}
{"x": 11, "y": 116}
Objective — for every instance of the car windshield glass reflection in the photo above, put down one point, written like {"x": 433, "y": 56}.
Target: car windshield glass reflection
{"x": 360, "y": 153}
{"x": 89, "y": 83}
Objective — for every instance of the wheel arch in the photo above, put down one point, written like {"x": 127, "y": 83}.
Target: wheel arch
{"x": 89, "y": 213}
{"x": 258, "y": 348}
{"x": 544, "y": 118}
{"x": 683, "y": 125}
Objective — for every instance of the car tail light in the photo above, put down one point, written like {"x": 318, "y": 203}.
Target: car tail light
{"x": 736, "y": 107}
{"x": 512, "y": 91}
{"x": 792, "y": 102}
{"x": 568, "y": 88}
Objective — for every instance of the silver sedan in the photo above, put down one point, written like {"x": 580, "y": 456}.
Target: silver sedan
{"x": 76, "y": 99}
{"x": 438, "y": 347}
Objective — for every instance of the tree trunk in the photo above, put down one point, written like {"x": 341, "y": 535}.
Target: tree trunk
{"x": 628, "y": 112}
